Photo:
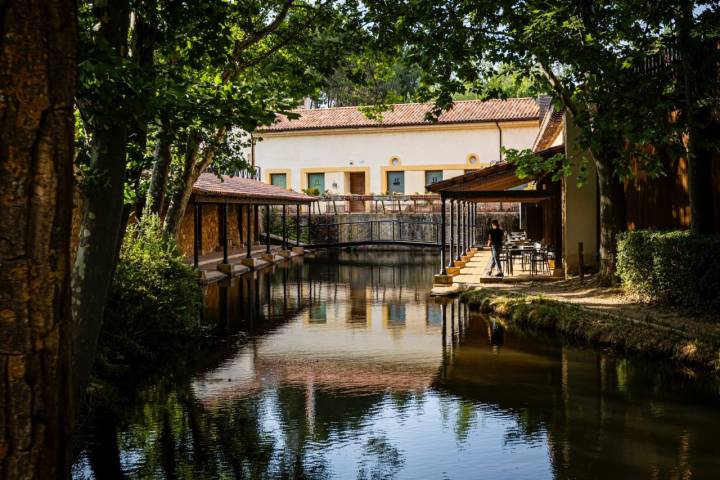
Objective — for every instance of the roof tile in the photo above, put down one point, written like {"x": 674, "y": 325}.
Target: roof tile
{"x": 210, "y": 185}
{"x": 407, "y": 114}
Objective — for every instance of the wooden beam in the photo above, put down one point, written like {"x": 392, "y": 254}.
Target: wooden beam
{"x": 249, "y": 201}
{"x": 522, "y": 196}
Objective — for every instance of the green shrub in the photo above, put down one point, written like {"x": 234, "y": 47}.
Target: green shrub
{"x": 155, "y": 302}
{"x": 675, "y": 268}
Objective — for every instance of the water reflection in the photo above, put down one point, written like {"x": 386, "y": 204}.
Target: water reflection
{"x": 352, "y": 371}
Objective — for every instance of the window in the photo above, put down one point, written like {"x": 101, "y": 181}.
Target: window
{"x": 317, "y": 180}
{"x": 433, "y": 176}
{"x": 396, "y": 182}
{"x": 278, "y": 179}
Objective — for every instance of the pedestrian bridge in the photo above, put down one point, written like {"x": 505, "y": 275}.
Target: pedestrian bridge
{"x": 369, "y": 232}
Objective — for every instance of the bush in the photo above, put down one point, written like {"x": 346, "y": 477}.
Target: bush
{"x": 155, "y": 302}
{"x": 675, "y": 268}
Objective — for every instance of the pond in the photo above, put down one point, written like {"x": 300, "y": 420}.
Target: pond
{"x": 350, "y": 370}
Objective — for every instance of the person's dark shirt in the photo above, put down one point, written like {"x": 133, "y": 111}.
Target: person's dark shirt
{"x": 496, "y": 237}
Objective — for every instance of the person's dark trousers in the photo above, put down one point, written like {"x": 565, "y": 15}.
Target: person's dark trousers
{"x": 496, "y": 257}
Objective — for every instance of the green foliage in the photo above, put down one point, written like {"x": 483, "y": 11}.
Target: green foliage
{"x": 155, "y": 301}
{"x": 503, "y": 81}
{"x": 530, "y": 165}
{"x": 675, "y": 268}
{"x": 590, "y": 56}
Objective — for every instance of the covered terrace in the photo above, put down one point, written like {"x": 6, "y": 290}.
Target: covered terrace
{"x": 223, "y": 223}
{"x": 540, "y": 205}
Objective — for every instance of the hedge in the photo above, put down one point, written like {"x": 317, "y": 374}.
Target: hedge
{"x": 674, "y": 268}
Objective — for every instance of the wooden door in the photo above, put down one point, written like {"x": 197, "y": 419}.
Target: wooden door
{"x": 357, "y": 187}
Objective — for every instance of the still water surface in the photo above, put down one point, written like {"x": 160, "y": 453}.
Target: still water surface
{"x": 352, "y": 371}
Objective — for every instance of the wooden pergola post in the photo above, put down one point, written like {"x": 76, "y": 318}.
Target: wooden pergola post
{"x": 473, "y": 221}
{"x": 467, "y": 226}
{"x": 284, "y": 227}
{"x": 249, "y": 232}
{"x": 197, "y": 231}
{"x": 256, "y": 232}
{"x": 443, "y": 269}
{"x": 297, "y": 226}
{"x": 223, "y": 226}
{"x": 309, "y": 221}
{"x": 458, "y": 247}
{"x": 463, "y": 248}
{"x": 267, "y": 229}
{"x": 452, "y": 232}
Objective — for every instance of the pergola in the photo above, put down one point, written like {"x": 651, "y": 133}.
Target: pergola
{"x": 211, "y": 189}
{"x": 491, "y": 184}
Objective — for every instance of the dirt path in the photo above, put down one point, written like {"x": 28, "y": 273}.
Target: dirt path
{"x": 588, "y": 293}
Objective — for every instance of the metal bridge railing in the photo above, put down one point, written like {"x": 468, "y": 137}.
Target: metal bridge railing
{"x": 371, "y": 231}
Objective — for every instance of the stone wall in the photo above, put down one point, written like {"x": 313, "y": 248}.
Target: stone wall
{"x": 211, "y": 235}
{"x": 415, "y": 226}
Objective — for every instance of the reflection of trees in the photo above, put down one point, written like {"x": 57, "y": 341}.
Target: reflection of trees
{"x": 380, "y": 459}
{"x": 602, "y": 417}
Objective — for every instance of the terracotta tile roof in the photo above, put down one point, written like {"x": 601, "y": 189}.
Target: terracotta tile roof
{"x": 252, "y": 191}
{"x": 550, "y": 127}
{"x": 407, "y": 114}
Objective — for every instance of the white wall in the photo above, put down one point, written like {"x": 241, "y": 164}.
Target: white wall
{"x": 438, "y": 147}
{"x": 579, "y": 207}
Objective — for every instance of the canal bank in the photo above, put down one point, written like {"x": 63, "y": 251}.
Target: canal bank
{"x": 604, "y": 317}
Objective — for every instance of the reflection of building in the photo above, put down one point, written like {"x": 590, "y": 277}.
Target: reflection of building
{"x": 339, "y": 150}
{"x": 318, "y": 313}
{"x": 394, "y": 314}
{"x": 434, "y": 314}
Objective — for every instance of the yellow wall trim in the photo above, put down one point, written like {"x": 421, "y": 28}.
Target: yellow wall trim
{"x": 305, "y": 171}
{"x": 415, "y": 168}
{"x": 286, "y": 171}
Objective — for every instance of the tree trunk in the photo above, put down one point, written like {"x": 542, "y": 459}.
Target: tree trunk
{"x": 191, "y": 171}
{"x": 697, "y": 65}
{"x": 613, "y": 215}
{"x": 38, "y": 42}
{"x": 102, "y": 215}
{"x": 160, "y": 171}
{"x": 700, "y": 187}
{"x": 143, "y": 48}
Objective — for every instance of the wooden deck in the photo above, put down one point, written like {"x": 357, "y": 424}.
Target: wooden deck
{"x": 474, "y": 274}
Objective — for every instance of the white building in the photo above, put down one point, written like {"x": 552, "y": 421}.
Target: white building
{"x": 341, "y": 151}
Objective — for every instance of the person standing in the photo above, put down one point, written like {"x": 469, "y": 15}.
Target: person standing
{"x": 495, "y": 241}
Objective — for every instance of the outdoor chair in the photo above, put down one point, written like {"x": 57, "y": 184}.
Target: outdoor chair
{"x": 526, "y": 252}
{"x": 539, "y": 258}
{"x": 505, "y": 261}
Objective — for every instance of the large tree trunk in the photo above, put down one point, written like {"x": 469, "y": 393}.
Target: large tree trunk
{"x": 613, "y": 215}
{"x": 102, "y": 216}
{"x": 191, "y": 171}
{"x": 38, "y": 41}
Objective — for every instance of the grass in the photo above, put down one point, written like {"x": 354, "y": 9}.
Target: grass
{"x": 595, "y": 328}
